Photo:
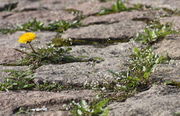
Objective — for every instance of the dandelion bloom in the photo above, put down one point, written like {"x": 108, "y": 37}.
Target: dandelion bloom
{"x": 27, "y": 37}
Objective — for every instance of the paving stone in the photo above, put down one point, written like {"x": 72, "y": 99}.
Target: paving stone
{"x": 169, "y": 46}
{"x": 118, "y": 17}
{"x": 46, "y": 4}
{"x": 11, "y": 101}
{"x": 158, "y": 101}
{"x": 45, "y": 16}
{"x": 172, "y": 4}
{"x": 168, "y": 71}
{"x": 123, "y": 30}
{"x": 82, "y": 73}
{"x": 175, "y": 20}
{"x": 92, "y": 6}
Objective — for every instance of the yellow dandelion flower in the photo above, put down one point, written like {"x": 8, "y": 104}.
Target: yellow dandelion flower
{"x": 27, "y": 37}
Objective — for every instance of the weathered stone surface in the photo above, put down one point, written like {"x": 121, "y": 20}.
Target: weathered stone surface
{"x": 175, "y": 20}
{"x": 92, "y": 6}
{"x": 168, "y": 71}
{"x": 158, "y": 101}
{"x": 115, "y": 59}
{"x": 9, "y": 55}
{"x": 50, "y": 113}
{"x": 118, "y": 17}
{"x": 172, "y": 4}
{"x": 46, "y": 4}
{"x": 11, "y": 101}
{"x": 41, "y": 15}
{"x": 169, "y": 46}
{"x": 123, "y": 30}
{"x": 4, "y": 74}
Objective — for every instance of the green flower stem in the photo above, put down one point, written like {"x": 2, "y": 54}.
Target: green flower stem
{"x": 32, "y": 48}
{"x": 21, "y": 51}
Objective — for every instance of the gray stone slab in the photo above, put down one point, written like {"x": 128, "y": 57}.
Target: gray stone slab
{"x": 11, "y": 101}
{"x": 169, "y": 71}
{"x": 169, "y": 46}
{"x": 118, "y": 17}
{"x": 82, "y": 73}
{"x": 172, "y": 4}
{"x": 158, "y": 101}
{"x": 46, "y": 16}
{"x": 175, "y": 20}
{"x": 46, "y": 4}
{"x": 123, "y": 30}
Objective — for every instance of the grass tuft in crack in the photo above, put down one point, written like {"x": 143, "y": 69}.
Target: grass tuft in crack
{"x": 52, "y": 55}
{"x": 154, "y": 32}
{"x": 35, "y": 25}
{"x": 119, "y": 6}
{"x": 18, "y": 80}
{"x": 24, "y": 80}
{"x": 95, "y": 109}
{"x": 142, "y": 63}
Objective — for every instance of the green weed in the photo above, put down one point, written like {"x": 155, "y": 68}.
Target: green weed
{"x": 154, "y": 33}
{"x": 18, "y": 80}
{"x": 141, "y": 66}
{"x": 97, "y": 109}
{"x": 8, "y": 30}
{"x": 35, "y": 25}
{"x": 52, "y": 55}
{"x": 48, "y": 55}
{"x": 48, "y": 86}
{"x": 176, "y": 114}
{"x": 32, "y": 25}
{"x": 61, "y": 26}
{"x": 119, "y": 6}
{"x": 24, "y": 80}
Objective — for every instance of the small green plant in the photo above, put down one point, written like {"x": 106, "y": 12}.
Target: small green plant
{"x": 176, "y": 114}
{"x": 50, "y": 54}
{"x": 142, "y": 64}
{"x": 48, "y": 86}
{"x": 35, "y": 25}
{"x": 83, "y": 109}
{"x": 24, "y": 80}
{"x": 18, "y": 80}
{"x": 32, "y": 25}
{"x": 155, "y": 32}
{"x": 144, "y": 60}
{"x": 22, "y": 110}
{"x": 119, "y": 6}
{"x": 7, "y": 30}
{"x": 61, "y": 26}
